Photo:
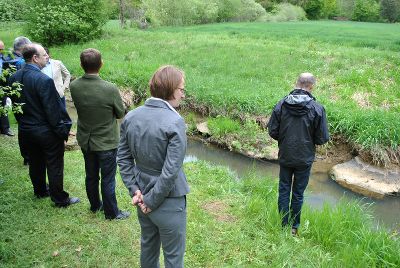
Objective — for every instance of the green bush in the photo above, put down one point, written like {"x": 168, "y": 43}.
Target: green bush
{"x": 287, "y": 12}
{"x": 220, "y": 126}
{"x": 65, "y": 21}
{"x": 390, "y": 10}
{"x": 187, "y": 12}
{"x": 12, "y": 10}
{"x": 365, "y": 10}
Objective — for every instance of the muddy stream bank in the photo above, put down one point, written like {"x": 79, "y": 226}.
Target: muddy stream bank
{"x": 322, "y": 189}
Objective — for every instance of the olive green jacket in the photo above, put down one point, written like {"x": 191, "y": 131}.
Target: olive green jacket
{"x": 99, "y": 105}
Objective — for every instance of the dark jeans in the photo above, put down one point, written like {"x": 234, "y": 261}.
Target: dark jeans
{"x": 46, "y": 152}
{"x": 292, "y": 180}
{"x": 103, "y": 162}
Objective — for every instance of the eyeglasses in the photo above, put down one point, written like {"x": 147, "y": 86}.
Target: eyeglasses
{"x": 182, "y": 89}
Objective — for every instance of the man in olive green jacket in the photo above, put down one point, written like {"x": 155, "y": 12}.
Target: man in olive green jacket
{"x": 99, "y": 105}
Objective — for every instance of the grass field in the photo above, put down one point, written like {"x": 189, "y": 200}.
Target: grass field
{"x": 230, "y": 224}
{"x": 245, "y": 68}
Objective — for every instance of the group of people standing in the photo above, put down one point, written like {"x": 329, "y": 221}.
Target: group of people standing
{"x": 149, "y": 148}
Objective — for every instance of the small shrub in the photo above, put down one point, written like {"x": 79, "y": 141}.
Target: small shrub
{"x": 365, "y": 10}
{"x": 55, "y": 22}
{"x": 287, "y": 12}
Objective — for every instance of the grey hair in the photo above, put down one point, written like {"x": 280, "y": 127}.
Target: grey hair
{"x": 20, "y": 42}
{"x": 305, "y": 81}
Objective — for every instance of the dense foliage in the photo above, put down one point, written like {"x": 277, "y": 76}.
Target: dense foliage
{"x": 390, "y": 10}
{"x": 12, "y": 10}
{"x": 186, "y": 12}
{"x": 365, "y": 10}
{"x": 65, "y": 21}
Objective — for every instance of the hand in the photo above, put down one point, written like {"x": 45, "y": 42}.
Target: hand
{"x": 144, "y": 208}
{"x": 137, "y": 198}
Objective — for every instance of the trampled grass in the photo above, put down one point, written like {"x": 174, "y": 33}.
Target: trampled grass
{"x": 238, "y": 68}
{"x": 230, "y": 224}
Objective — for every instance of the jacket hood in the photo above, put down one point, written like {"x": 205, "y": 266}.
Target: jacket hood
{"x": 296, "y": 102}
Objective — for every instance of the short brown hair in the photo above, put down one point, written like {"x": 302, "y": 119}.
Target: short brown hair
{"x": 91, "y": 60}
{"x": 29, "y": 50}
{"x": 164, "y": 82}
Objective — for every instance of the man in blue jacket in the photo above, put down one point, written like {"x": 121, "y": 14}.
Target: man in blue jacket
{"x": 298, "y": 123}
{"x": 43, "y": 126}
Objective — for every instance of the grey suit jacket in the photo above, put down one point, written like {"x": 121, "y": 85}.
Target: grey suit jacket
{"x": 151, "y": 152}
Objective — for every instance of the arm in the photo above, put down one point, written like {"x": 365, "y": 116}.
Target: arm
{"x": 321, "y": 132}
{"x": 126, "y": 162}
{"x": 176, "y": 150}
{"x": 119, "y": 109}
{"x": 51, "y": 103}
{"x": 274, "y": 122}
{"x": 66, "y": 76}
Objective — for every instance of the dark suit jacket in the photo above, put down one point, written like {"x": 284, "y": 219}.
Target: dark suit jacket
{"x": 42, "y": 108}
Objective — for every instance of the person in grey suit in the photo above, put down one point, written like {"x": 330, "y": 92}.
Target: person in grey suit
{"x": 150, "y": 157}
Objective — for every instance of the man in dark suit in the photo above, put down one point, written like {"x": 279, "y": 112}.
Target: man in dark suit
{"x": 43, "y": 126}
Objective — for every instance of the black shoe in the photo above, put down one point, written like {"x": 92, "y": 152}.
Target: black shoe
{"x": 44, "y": 195}
{"x": 122, "y": 215}
{"x": 71, "y": 201}
{"x": 8, "y": 133}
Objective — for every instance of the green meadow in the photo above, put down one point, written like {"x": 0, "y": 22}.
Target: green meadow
{"x": 236, "y": 69}
{"x": 231, "y": 223}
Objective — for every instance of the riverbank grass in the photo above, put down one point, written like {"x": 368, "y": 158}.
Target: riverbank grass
{"x": 231, "y": 223}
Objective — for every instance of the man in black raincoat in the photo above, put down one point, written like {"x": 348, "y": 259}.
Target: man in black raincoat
{"x": 298, "y": 123}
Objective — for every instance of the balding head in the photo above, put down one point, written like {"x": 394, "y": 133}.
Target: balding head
{"x": 34, "y": 53}
{"x": 19, "y": 43}
{"x": 305, "y": 81}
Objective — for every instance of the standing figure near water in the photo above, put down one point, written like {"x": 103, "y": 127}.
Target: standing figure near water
{"x": 99, "y": 105}
{"x": 150, "y": 157}
{"x": 298, "y": 123}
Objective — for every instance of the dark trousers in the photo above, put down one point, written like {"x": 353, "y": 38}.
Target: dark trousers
{"x": 166, "y": 227}
{"x": 4, "y": 123}
{"x": 23, "y": 148}
{"x": 292, "y": 182}
{"x": 103, "y": 162}
{"x": 46, "y": 153}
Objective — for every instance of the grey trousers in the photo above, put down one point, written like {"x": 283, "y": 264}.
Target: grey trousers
{"x": 164, "y": 226}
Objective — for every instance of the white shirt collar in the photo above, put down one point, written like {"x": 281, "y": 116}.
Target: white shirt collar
{"x": 166, "y": 102}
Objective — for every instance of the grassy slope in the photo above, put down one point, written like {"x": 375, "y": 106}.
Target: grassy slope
{"x": 238, "y": 68}
{"x": 247, "y": 235}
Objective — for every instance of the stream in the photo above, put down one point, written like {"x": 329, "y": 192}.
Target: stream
{"x": 321, "y": 189}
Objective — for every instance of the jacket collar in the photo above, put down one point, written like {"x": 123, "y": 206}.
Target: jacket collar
{"x": 156, "y": 102}
{"x": 91, "y": 76}
{"x": 32, "y": 66}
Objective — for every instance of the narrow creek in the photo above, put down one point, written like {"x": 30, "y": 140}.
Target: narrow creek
{"x": 321, "y": 188}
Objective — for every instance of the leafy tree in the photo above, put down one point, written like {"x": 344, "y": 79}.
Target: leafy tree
{"x": 365, "y": 10}
{"x": 9, "y": 91}
{"x": 13, "y": 10}
{"x": 65, "y": 21}
{"x": 390, "y": 10}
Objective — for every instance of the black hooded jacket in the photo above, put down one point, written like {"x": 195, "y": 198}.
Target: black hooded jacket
{"x": 298, "y": 123}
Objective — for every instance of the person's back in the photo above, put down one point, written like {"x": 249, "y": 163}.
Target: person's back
{"x": 300, "y": 117}
{"x": 98, "y": 104}
{"x": 298, "y": 123}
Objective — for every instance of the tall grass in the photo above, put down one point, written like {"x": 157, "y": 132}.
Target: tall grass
{"x": 231, "y": 223}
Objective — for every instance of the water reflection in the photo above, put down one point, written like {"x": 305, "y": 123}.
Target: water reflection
{"x": 321, "y": 188}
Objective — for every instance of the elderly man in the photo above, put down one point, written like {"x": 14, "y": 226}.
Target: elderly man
{"x": 42, "y": 128}
{"x": 298, "y": 123}
{"x": 98, "y": 104}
